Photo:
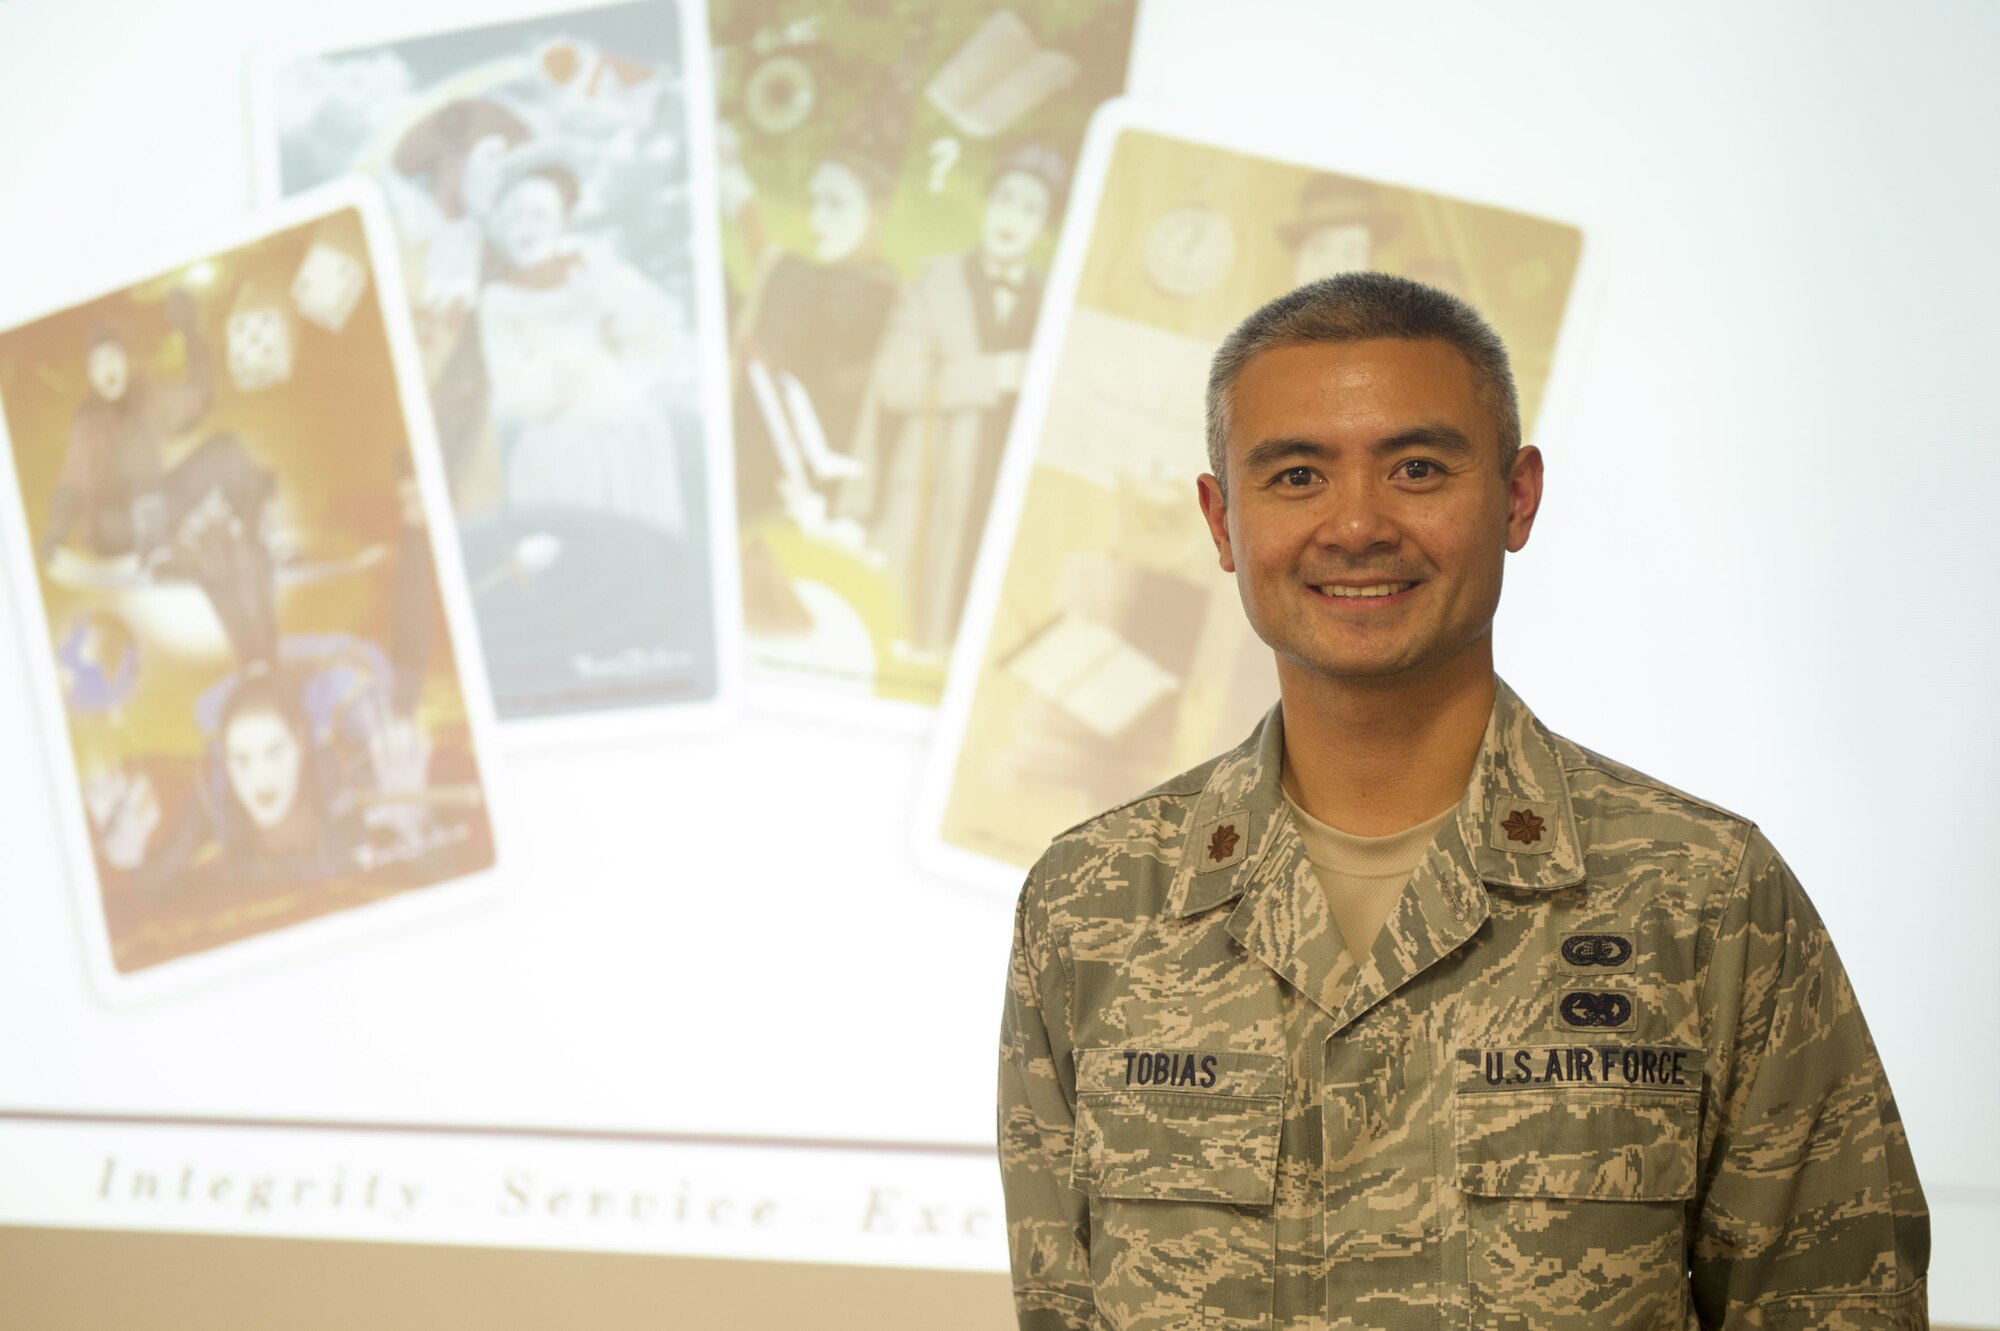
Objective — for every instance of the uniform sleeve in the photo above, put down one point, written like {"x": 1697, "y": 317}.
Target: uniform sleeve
{"x": 1810, "y": 1214}
{"x": 1048, "y": 1222}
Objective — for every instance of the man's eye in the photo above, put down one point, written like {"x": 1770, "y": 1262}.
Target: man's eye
{"x": 1296, "y": 477}
{"x": 1418, "y": 469}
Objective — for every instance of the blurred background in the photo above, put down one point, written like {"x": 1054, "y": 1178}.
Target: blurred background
{"x": 726, "y": 374}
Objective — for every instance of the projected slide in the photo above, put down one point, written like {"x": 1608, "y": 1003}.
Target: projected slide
{"x": 561, "y": 559}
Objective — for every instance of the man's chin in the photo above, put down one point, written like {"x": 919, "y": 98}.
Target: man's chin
{"x": 1353, "y": 667}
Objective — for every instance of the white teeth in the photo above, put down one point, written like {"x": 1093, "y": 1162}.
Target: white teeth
{"x": 1380, "y": 589}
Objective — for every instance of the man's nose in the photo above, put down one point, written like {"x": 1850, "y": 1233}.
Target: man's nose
{"x": 1354, "y": 518}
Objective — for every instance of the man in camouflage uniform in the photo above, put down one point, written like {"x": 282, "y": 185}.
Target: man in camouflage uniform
{"x": 1600, "y": 1066}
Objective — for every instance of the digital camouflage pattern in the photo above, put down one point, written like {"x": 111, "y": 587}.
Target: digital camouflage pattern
{"x": 1602, "y": 1069}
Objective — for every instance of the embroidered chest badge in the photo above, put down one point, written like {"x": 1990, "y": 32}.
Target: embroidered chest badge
{"x": 1593, "y": 1009}
{"x": 1594, "y": 953}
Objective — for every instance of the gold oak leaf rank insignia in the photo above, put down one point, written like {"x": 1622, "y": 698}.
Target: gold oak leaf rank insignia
{"x": 1222, "y": 842}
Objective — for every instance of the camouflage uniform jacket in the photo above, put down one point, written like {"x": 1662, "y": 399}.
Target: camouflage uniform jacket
{"x": 1602, "y": 1069}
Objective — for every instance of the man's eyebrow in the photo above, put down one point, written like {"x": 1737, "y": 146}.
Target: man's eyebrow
{"x": 1273, "y": 451}
{"x": 1438, "y": 437}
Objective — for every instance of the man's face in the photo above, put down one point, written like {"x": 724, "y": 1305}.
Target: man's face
{"x": 837, "y": 211}
{"x": 263, "y": 758}
{"x": 1330, "y": 251}
{"x": 1017, "y": 212}
{"x": 1366, "y": 517}
{"x": 109, "y": 370}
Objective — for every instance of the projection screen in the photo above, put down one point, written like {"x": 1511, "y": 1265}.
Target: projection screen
{"x": 524, "y": 796}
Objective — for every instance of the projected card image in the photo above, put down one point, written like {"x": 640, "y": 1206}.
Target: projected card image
{"x": 892, "y": 186}
{"x": 564, "y": 285}
{"x": 252, "y": 682}
{"x": 1105, "y": 650}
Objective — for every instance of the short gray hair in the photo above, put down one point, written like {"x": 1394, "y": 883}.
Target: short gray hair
{"x": 1357, "y": 307}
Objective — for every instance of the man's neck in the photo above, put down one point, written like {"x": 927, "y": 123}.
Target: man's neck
{"x": 1376, "y": 756}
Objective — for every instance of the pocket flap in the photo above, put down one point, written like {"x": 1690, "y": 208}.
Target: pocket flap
{"x": 1210, "y": 1134}
{"x": 1598, "y": 1144}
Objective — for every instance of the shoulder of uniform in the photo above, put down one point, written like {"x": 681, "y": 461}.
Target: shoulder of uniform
{"x": 1143, "y": 809}
{"x": 1604, "y": 789}
{"x": 1593, "y": 766}
{"x": 1146, "y": 827}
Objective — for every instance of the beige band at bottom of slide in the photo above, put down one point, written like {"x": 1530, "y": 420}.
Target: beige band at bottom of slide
{"x": 180, "y": 1282}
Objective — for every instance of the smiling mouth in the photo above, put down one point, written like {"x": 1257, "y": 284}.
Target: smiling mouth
{"x": 1373, "y": 592}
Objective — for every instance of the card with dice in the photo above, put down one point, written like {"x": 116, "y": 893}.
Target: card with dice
{"x": 228, "y": 534}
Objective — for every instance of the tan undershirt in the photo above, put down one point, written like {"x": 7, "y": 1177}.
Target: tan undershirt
{"x": 1363, "y": 876}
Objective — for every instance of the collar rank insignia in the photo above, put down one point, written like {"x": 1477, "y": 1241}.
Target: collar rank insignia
{"x": 1222, "y": 841}
{"x": 1523, "y": 826}
{"x": 1519, "y": 826}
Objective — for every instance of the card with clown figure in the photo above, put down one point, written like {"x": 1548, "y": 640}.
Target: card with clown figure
{"x": 892, "y": 182}
{"x": 1104, "y": 648}
{"x": 225, "y": 520}
{"x": 549, "y": 174}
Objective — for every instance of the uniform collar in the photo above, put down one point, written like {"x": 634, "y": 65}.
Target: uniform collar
{"x": 1514, "y": 822}
{"x": 1516, "y": 816}
{"x": 1514, "y": 828}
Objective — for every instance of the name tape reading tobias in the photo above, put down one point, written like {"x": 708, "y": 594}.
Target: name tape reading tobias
{"x": 1148, "y": 1069}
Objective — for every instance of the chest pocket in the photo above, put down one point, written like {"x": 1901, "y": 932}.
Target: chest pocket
{"x": 1576, "y": 1202}
{"x": 1177, "y": 1150}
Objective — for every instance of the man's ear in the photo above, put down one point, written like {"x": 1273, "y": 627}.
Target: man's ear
{"x": 1524, "y": 496}
{"x": 1215, "y": 510}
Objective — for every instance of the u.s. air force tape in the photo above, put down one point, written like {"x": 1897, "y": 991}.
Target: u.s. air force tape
{"x": 1508, "y": 1067}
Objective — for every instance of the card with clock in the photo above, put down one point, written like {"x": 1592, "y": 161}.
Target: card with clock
{"x": 550, "y": 175}
{"x": 1104, "y": 650}
{"x": 251, "y": 659}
